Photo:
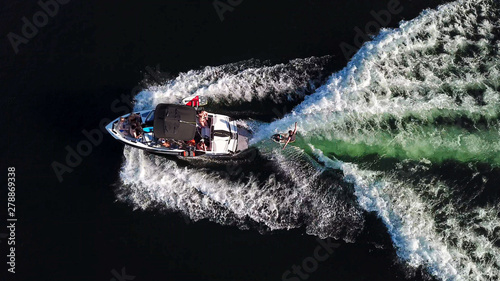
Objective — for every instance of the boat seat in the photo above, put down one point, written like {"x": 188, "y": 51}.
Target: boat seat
{"x": 147, "y": 137}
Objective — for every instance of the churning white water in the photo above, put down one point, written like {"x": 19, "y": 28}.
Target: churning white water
{"x": 425, "y": 93}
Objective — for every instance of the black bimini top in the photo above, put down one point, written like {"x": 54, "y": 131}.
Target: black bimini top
{"x": 173, "y": 121}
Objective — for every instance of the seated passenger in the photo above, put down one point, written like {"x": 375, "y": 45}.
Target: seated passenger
{"x": 135, "y": 131}
{"x": 123, "y": 126}
{"x": 139, "y": 130}
{"x": 134, "y": 118}
{"x": 165, "y": 143}
{"x": 121, "y": 123}
{"x": 203, "y": 119}
{"x": 201, "y": 145}
{"x": 190, "y": 143}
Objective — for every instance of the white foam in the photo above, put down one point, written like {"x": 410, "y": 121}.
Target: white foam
{"x": 238, "y": 82}
{"x": 409, "y": 218}
{"x": 424, "y": 69}
{"x": 400, "y": 73}
{"x": 149, "y": 181}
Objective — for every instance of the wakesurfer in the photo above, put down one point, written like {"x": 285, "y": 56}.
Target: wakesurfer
{"x": 291, "y": 136}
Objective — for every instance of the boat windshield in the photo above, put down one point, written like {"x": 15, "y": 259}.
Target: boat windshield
{"x": 150, "y": 118}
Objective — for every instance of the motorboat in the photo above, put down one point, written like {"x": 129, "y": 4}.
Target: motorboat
{"x": 182, "y": 130}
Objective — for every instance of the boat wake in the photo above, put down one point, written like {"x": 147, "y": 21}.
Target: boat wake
{"x": 239, "y": 82}
{"x": 427, "y": 228}
{"x": 408, "y": 130}
{"x": 291, "y": 197}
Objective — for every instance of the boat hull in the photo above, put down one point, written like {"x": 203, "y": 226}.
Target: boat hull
{"x": 227, "y": 139}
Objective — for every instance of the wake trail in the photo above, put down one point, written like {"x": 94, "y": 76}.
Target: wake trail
{"x": 435, "y": 78}
{"x": 300, "y": 201}
{"x": 287, "y": 196}
{"x": 239, "y": 82}
{"x": 452, "y": 248}
{"x": 427, "y": 92}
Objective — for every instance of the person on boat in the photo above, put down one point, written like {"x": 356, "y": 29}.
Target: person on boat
{"x": 121, "y": 123}
{"x": 123, "y": 126}
{"x": 136, "y": 131}
{"x": 165, "y": 143}
{"x": 203, "y": 119}
{"x": 291, "y": 136}
{"x": 201, "y": 145}
{"x": 134, "y": 119}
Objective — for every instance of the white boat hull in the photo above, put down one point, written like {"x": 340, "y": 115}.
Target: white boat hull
{"x": 226, "y": 138}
